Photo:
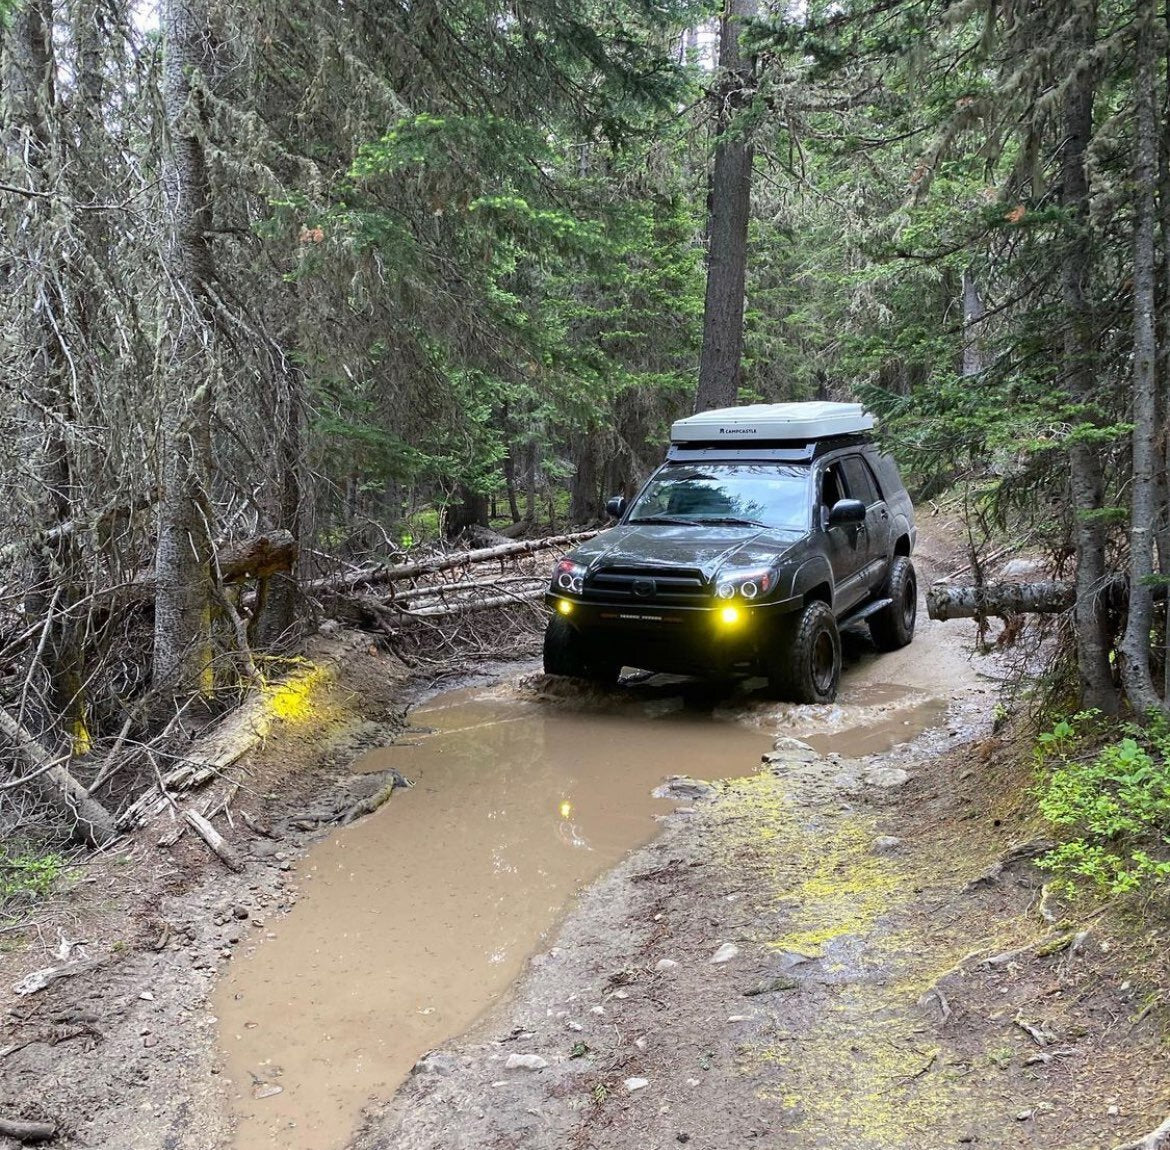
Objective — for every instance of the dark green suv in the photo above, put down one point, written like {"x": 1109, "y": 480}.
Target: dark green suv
{"x": 767, "y": 529}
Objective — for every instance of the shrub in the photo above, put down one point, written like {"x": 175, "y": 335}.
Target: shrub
{"x": 1111, "y": 801}
{"x": 24, "y": 877}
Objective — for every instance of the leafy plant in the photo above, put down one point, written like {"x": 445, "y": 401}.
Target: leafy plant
{"x": 24, "y": 877}
{"x": 1111, "y": 800}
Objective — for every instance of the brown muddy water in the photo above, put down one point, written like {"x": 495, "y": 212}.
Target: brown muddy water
{"x": 411, "y": 923}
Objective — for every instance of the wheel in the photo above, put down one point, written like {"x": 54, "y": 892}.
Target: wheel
{"x": 893, "y": 627}
{"x": 565, "y": 653}
{"x": 806, "y": 667}
{"x": 562, "y": 650}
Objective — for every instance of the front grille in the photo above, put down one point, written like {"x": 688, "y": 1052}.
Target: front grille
{"x": 675, "y": 586}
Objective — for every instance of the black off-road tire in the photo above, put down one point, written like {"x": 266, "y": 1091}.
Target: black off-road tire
{"x": 806, "y": 665}
{"x": 562, "y": 650}
{"x": 566, "y": 653}
{"x": 893, "y": 627}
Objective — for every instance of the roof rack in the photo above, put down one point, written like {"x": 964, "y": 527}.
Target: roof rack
{"x": 773, "y": 423}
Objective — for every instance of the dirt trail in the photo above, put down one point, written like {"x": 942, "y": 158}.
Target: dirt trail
{"x": 830, "y": 953}
{"x": 411, "y": 923}
{"x": 910, "y": 993}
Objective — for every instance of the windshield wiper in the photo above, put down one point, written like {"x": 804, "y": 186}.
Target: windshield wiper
{"x": 731, "y": 520}
{"x": 668, "y": 520}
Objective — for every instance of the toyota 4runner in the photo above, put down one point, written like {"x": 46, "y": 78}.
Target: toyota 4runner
{"x": 767, "y": 530}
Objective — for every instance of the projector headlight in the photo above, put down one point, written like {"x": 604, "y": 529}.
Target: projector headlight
{"x": 745, "y": 584}
{"x": 568, "y": 577}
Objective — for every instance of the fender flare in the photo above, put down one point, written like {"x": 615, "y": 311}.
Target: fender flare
{"x": 813, "y": 571}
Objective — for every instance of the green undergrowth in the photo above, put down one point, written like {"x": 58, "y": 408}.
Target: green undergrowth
{"x": 27, "y": 875}
{"x": 1105, "y": 788}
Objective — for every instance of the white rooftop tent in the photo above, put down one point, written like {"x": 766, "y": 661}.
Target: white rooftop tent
{"x": 773, "y": 421}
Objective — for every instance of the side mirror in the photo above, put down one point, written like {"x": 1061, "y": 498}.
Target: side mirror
{"x": 615, "y": 508}
{"x": 847, "y": 513}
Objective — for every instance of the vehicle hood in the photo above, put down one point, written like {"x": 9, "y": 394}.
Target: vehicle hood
{"x": 707, "y": 549}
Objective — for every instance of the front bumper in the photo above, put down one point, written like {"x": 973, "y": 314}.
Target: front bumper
{"x": 687, "y": 640}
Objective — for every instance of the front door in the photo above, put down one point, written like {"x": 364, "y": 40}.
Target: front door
{"x": 861, "y": 484}
{"x": 848, "y": 545}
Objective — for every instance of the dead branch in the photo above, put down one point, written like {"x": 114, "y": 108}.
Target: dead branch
{"x": 39, "y": 979}
{"x": 24, "y": 1131}
{"x": 1156, "y": 1140}
{"x": 50, "y": 779}
{"x": 219, "y": 846}
{"x": 446, "y": 562}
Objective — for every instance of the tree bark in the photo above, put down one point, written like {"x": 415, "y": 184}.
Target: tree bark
{"x": 1087, "y": 483}
{"x": 509, "y": 468}
{"x": 182, "y": 627}
{"x": 730, "y": 204}
{"x": 945, "y": 601}
{"x": 276, "y": 613}
{"x": 1134, "y": 648}
{"x": 1164, "y": 356}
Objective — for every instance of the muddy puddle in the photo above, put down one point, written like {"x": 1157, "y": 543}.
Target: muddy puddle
{"x": 891, "y": 715}
{"x": 411, "y": 923}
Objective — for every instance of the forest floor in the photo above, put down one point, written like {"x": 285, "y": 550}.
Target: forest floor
{"x": 848, "y": 949}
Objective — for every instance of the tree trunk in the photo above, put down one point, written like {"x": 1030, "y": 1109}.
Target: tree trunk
{"x": 1134, "y": 649}
{"x": 531, "y": 462}
{"x": 276, "y": 615}
{"x": 52, "y": 573}
{"x": 727, "y": 228}
{"x": 510, "y": 485}
{"x": 1087, "y": 483}
{"x": 583, "y": 484}
{"x": 469, "y": 509}
{"x": 182, "y": 625}
{"x": 973, "y": 313}
{"x": 946, "y": 601}
{"x": 1164, "y": 363}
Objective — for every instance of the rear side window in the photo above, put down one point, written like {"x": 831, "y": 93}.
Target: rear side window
{"x": 860, "y": 480}
{"x": 889, "y": 480}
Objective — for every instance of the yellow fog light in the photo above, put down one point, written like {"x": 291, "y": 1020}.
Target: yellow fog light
{"x": 564, "y": 606}
{"x": 729, "y": 615}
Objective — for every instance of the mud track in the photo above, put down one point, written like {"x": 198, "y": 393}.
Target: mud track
{"x": 846, "y": 950}
{"x": 888, "y": 977}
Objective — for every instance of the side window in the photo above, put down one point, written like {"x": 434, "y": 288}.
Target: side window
{"x": 832, "y": 489}
{"x": 860, "y": 480}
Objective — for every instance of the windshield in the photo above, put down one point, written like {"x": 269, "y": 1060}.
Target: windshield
{"x": 744, "y": 494}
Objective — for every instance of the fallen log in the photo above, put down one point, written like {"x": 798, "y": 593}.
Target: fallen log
{"x": 475, "y": 603}
{"x": 24, "y": 1131}
{"x": 443, "y": 590}
{"x": 257, "y": 558}
{"x": 445, "y": 562}
{"x": 948, "y": 601}
{"x": 39, "y": 979}
{"x": 219, "y": 846}
{"x": 231, "y": 739}
{"x": 48, "y": 778}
